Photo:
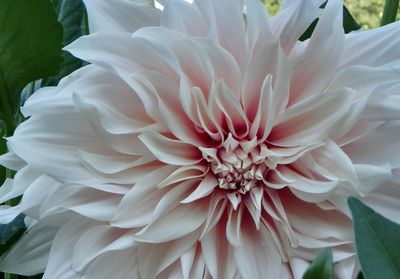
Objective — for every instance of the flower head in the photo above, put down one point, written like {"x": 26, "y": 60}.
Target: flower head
{"x": 206, "y": 141}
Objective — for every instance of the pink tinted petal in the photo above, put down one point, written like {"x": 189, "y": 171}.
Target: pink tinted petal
{"x": 151, "y": 262}
{"x": 218, "y": 254}
{"x": 170, "y": 151}
{"x": 205, "y": 187}
{"x": 292, "y": 21}
{"x": 320, "y": 57}
{"x": 179, "y": 222}
{"x": 311, "y": 119}
{"x": 136, "y": 208}
{"x": 257, "y": 257}
{"x": 97, "y": 241}
{"x": 111, "y": 265}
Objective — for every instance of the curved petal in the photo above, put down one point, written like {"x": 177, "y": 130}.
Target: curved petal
{"x": 312, "y": 119}
{"x": 30, "y": 254}
{"x": 373, "y": 47}
{"x": 116, "y": 15}
{"x": 173, "y": 152}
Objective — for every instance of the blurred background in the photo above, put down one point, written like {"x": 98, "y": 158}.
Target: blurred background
{"x": 366, "y": 12}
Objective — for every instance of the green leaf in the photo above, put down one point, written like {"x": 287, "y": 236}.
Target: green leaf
{"x": 389, "y": 12}
{"x": 360, "y": 275}
{"x": 3, "y": 149}
{"x": 321, "y": 267}
{"x": 377, "y": 242}
{"x": 349, "y": 24}
{"x": 11, "y": 232}
{"x": 30, "y": 49}
{"x": 70, "y": 14}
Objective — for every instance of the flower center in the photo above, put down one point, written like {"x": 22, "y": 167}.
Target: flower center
{"x": 238, "y": 166}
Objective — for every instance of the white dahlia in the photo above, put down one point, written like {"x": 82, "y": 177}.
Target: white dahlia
{"x": 206, "y": 141}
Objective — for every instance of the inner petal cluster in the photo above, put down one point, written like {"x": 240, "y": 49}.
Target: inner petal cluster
{"x": 238, "y": 166}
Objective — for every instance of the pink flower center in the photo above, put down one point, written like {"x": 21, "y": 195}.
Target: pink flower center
{"x": 238, "y": 166}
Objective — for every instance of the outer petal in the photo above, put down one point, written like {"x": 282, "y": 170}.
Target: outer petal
{"x": 292, "y": 21}
{"x": 257, "y": 257}
{"x": 374, "y": 47}
{"x": 313, "y": 69}
{"x": 30, "y": 254}
{"x": 380, "y": 146}
{"x": 120, "y": 15}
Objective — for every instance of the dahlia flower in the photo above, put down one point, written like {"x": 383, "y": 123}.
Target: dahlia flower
{"x": 206, "y": 141}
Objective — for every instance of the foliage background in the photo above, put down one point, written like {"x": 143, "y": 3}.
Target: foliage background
{"x": 367, "y": 13}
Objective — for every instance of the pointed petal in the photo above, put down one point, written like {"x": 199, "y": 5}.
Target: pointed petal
{"x": 312, "y": 119}
{"x": 174, "y": 152}
{"x": 30, "y": 254}
{"x": 116, "y": 15}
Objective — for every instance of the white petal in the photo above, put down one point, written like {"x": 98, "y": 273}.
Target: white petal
{"x": 312, "y": 119}
{"x": 386, "y": 200}
{"x": 151, "y": 261}
{"x": 257, "y": 257}
{"x": 258, "y": 26}
{"x": 233, "y": 226}
{"x": 60, "y": 259}
{"x": 230, "y": 106}
{"x": 116, "y": 15}
{"x": 179, "y": 222}
{"x": 314, "y": 68}
{"x": 378, "y": 147}
{"x": 319, "y": 223}
{"x": 290, "y": 23}
{"x": 374, "y": 47}
{"x": 97, "y": 241}
{"x": 205, "y": 187}
{"x": 372, "y": 176}
{"x": 49, "y": 143}
{"x": 336, "y": 163}
{"x": 187, "y": 260}
{"x": 267, "y": 60}
{"x": 218, "y": 254}
{"x": 29, "y": 255}
{"x": 114, "y": 265}
{"x": 86, "y": 201}
{"x": 184, "y": 17}
{"x": 299, "y": 267}
{"x": 137, "y": 206}
{"x": 14, "y": 188}
{"x": 11, "y": 161}
{"x": 169, "y": 151}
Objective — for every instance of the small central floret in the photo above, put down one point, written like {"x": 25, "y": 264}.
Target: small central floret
{"x": 238, "y": 166}
{"x": 237, "y": 171}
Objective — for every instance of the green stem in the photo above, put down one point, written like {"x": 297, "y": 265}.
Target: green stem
{"x": 85, "y": 23}
{"x": 389, "y": 12}
{"x": 9, "y": 120}
{"x": 10, "y": 276}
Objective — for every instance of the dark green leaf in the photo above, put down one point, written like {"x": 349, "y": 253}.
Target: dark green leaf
{"x": 30, "y": 47}
{"x": 70, "y": 14}
{"x": 3, "y": 149}
{"x": 377, "y": 242}
{"x": 389, "y": 12}
{"x": 11, "y": 232}
{"x": 321, "y": 267}
{"x": 360, "y": 275}
{"x": 349, "y": 24}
